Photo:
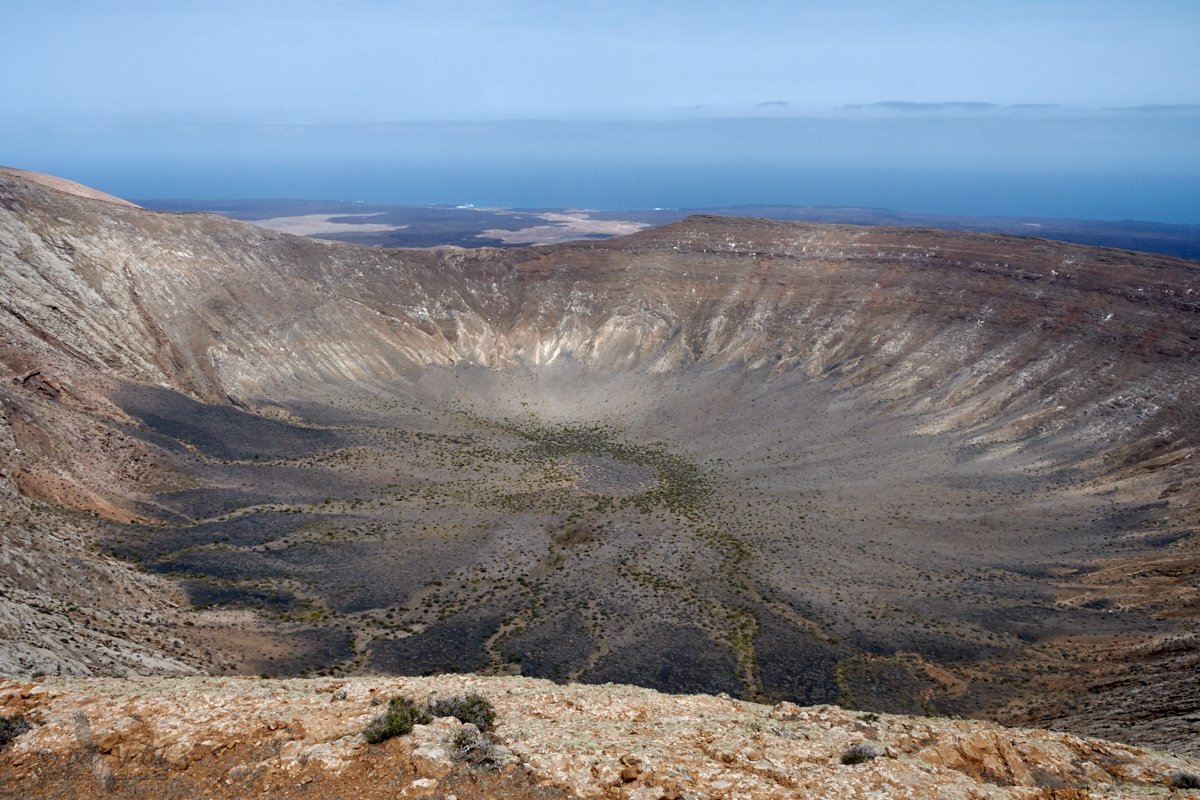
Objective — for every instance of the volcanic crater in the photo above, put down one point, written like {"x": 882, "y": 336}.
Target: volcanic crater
{"x": 904, "y": 470}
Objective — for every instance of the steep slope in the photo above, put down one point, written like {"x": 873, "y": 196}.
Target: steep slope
{"x": 902, "y": 469}
{"x": 64, "y": 185}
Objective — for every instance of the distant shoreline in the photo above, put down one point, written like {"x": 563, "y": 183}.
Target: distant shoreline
{"x": 395, "y": 225}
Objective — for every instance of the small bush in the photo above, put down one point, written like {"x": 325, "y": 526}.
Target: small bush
{"x": 401, "y": 715}
{"x": 477, "y": 749}
{"x": 471, "y": 708}
{"x": 860, "y": 753}
{"x": 11, "y": 728}
{"x": 1185, "y": 780}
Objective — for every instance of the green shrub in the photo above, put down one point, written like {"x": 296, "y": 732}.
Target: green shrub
{"x": 401, "y": 715}
{"x": 11, "y": 728}
{"x": 860, "y": 753}
{"x": 472, "y": 708}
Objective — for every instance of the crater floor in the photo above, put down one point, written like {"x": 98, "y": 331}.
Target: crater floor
{"x": 691, "y": 532}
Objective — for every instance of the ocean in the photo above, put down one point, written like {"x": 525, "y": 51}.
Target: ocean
{"x": 1119, "y": 165}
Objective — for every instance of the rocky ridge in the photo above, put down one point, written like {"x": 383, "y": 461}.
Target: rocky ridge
{"x": 239, "y": 737}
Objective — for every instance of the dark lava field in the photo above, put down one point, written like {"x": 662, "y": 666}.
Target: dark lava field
{"x": 899, "y": 469}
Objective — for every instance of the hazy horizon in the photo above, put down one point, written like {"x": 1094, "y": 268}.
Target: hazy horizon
{"x": 1087, "y": 165}
{"x": 1087, "y": 110}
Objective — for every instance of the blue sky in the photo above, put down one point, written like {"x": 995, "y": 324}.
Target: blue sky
{"x": 431, "y": 102}
{"x": 369, "y": 60}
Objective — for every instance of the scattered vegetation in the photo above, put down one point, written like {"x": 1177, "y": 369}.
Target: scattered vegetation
{"x": 471, "y": 709}
{"x": 11, "y": 728}
{"x": 861, "y": 753}
{"x": 681, "y": 487}
{"x": 401, "y": 715}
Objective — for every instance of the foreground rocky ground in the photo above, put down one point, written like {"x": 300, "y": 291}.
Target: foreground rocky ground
{"x": 245, "y": 737}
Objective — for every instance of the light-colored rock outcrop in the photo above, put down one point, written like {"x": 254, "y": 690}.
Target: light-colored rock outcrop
{"x": 604, "y": 741}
